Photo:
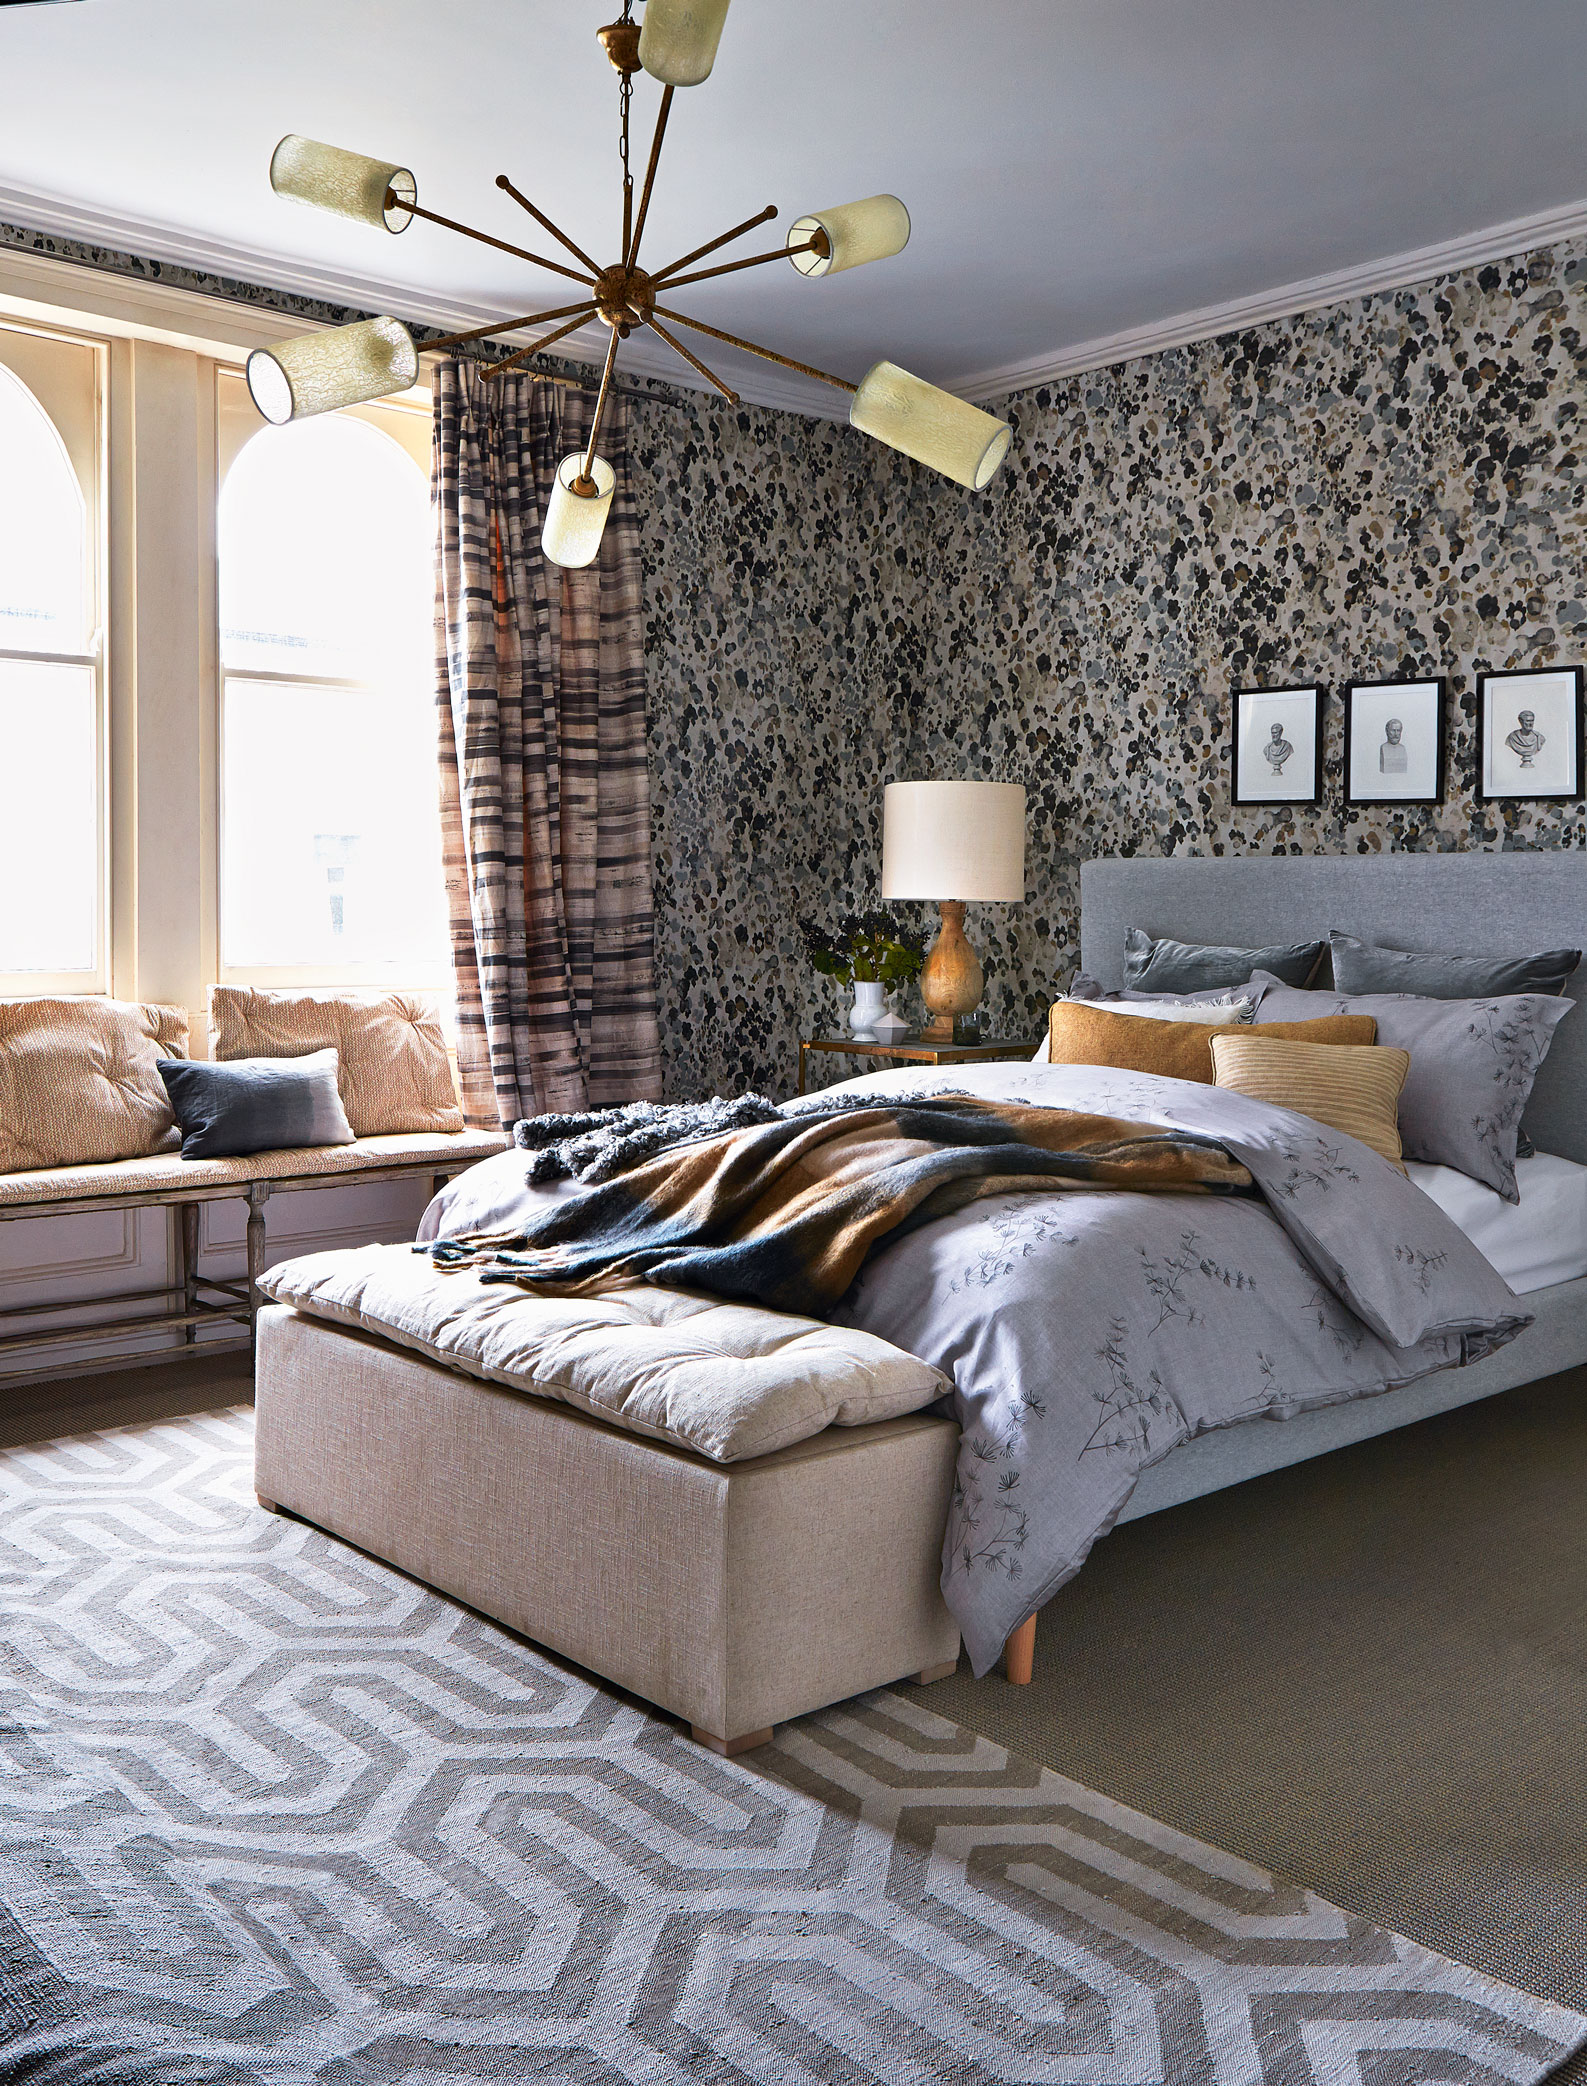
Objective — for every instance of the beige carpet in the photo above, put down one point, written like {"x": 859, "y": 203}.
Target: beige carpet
{"x": 1368, "y": 1672}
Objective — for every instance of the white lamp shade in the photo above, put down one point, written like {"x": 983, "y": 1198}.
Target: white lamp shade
{"x": 960, "y": 840}
{"x": 317, "y": 372}
{"x": 945, "y": 433}
{"x": 677, "y": 44}
{"x": 856, "y": 233}
{"x": 575, "y": 522}
{"x": 343, "y": 182}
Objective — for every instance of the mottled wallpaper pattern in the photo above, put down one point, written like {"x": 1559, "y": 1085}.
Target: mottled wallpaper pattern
{"x": 1393, "y": 485}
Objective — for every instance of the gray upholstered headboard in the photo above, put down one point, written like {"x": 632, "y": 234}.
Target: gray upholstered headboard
{"x": 1469, "y": 904}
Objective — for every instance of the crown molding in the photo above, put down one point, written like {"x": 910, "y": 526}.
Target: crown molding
{"x": 1390, "y": 272}
{"x": 123, "y": 241}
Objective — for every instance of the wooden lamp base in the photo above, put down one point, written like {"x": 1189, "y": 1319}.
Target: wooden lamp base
{"x": 951, "y": 980}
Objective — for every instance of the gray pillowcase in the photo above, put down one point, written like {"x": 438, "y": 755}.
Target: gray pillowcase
{"x": 1473, "y": 1063}
{"x": 1084, "y": 987}
{"x": 1364, "y": 967}
{"x": 1158, "y": 967}
{"x": 257, "y": 1104}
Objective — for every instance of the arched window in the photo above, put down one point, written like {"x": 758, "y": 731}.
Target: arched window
{"x": 50, "y": 835}
{"x": 331, "y": 855}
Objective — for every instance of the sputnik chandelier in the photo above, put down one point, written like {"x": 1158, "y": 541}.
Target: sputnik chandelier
{"x": 373, "y": 358}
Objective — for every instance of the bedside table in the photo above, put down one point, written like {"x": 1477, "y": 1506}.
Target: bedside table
{"x": 912, "y": 1050}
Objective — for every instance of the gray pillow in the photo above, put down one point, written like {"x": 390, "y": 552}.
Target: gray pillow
{"x": 1084, "y": 987}
{"x": 1472, "y": 1067}
{"x": 1157, "y": 967}
{"x": 255, "y": 1104}
{"x": 1363, "y": 967}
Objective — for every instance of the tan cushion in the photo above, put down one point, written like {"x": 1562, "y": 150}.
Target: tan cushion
{"x": 1357, "y": 1091}
{"x": 166, "y": 1170}
{"x": 1081, "y": 1033}
{"x": 394, "y": 1073}
{"x": 726, "y": 1380}
{"x": 78, "y": 1082}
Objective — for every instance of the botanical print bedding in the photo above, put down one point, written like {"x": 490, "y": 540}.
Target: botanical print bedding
{"x": 1089, "y": 1331}
{"x": 1088, "y": 1334}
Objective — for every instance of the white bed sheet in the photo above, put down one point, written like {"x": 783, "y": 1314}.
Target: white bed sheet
{"x": 1537, "y": 1241}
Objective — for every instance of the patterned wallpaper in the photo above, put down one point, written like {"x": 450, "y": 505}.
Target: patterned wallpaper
{"x": 1393, "y": 485}
{"x": 1396, "y": 484}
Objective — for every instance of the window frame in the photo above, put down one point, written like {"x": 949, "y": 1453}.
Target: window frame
{"x": 80, "y": 424}
{"x": 406, "y": 420}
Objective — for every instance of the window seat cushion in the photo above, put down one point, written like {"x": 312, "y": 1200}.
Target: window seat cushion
{"x": 164, "y": 1171}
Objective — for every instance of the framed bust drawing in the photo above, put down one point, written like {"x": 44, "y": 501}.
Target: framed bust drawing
{"x": 1529, "y": 733}
{"x": 1277, "y": 745}
{"x": 1394, "y": 741}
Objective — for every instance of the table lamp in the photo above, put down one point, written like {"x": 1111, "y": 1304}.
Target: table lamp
{"x": 957, "y": 843}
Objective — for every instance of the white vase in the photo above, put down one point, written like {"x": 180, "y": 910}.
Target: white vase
{"x": 870, "y": 1002}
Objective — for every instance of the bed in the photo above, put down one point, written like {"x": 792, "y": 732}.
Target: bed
{"x": 740, "y": 1595}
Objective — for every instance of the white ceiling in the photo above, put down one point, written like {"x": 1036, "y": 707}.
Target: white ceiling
{"x": 1076, "y": 170}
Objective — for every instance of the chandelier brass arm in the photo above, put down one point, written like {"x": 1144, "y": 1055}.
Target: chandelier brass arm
{"x": 693, "y": 360}
{"x": 735, "y": 340}
{"x": 818, "y": 245}
{"x": 761, "y": 217}
{"x": 582, "y": 316}
{"x": 530, "y": 318}
{"x": 540, "y": 218}
{"x": 631, "y": 256}
{"x": 373, "y": 358}
{"x": 520, "y": 253}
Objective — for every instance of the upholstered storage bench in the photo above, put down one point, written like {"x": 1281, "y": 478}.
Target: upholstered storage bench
{"x": 734, "y": 1595}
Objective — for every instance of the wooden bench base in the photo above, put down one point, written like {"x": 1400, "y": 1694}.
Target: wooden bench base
{"x": 198, "y": 1299}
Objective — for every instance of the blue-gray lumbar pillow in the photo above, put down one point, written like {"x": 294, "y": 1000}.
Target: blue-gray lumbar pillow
{"x": 1165, "y": 966}
{"x": 255, "y": 1104}
{"x": 1364, "y": 967}
{"x": 1472, "y": 1067}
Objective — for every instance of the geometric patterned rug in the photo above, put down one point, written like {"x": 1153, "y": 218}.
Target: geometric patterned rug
{"x": 272, "y": 1813}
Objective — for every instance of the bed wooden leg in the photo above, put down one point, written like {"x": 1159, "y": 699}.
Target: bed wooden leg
{"x": 1019, "y": 1654}
{"x": 928, "y": 1674}
{"x": 269, "y": 1505}
{"x": 730, "y": 1748}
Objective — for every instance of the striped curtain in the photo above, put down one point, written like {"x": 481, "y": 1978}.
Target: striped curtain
{"x": 545, "y": 793}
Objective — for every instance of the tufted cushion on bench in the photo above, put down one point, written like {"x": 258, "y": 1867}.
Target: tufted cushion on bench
{"x": 727, "y": 1380}
{"x": 393, "y": 1074}
{"x": 78, "y": 1080}
{"x": 166, "y": 1170}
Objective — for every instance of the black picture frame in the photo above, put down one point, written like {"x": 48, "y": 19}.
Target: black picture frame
{"x": 1438, "y": 684}
{"x": 1239, "y": 700}
{"x": 1487, "y": 691}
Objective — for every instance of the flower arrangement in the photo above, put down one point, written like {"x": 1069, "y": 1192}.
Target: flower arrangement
{"x": 872, "y": 948}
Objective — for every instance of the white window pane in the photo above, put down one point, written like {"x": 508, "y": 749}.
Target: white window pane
{"x": 43, "y": 533}
{"x": 49, "y": 835}
{"x": 331, "y": 828}
{"x": 325, "y": 553}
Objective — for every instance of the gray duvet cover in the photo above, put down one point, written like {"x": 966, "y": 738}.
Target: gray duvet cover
{"x": 1089, "y": 1333}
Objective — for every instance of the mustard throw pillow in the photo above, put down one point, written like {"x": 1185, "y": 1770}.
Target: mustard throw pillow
{"x": 1081, "y": 1033}
{"x": 1357, "y": 1091}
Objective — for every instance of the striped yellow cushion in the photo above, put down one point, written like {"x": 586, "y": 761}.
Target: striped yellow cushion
{"x": 1346, "y": 1086}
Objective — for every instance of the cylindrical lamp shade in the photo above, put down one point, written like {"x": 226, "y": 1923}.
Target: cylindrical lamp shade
{"x": 343, "y": 182}
{"x": 856, "y": 232}
{"x": 575, "y": 522}
{"x": 945, "y": 433}
{"x": 678, "y": 43}
{"x": 954, "y": 840}
{"x": 318, "y": 372}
